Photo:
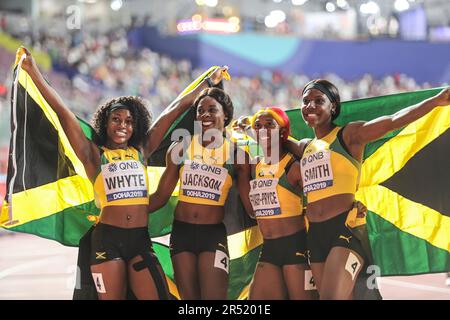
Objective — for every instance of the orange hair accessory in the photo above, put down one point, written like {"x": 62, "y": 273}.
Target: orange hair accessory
{"x": 279, "y": 115}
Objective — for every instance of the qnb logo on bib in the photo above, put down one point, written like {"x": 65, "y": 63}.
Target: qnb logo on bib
{"x": 112, "y": 167}
{"x": 317, "y": 173}
{"x": 264, "y": 198}
{"x": 201, "y": 180}
{"x": 124, "y": 180}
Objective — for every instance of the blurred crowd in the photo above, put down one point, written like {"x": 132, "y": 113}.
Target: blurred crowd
{"x": 88, "y": 68}
{"x": 91, "y": 67}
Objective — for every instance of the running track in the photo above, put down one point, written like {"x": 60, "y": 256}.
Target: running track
{"x": 36, "y": 268}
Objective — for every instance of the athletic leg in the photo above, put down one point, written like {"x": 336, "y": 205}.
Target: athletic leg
{"x": 213, "y": 277}
{"x": 317, "y": 271}
{"x": 110, "y": 279}
{"x": 186, "y": 277}
{"x": 299, "y": 282}
{"x": 268, "y": 283}
{"x": 341, "y": 270}
{"x": 146, "y": 278}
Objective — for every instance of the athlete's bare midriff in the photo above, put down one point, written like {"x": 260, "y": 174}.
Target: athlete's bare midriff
{"x": 280, "y": 227}
{"x": 199, "y": 213}
{"x": 330, "y": 207}
{"x": 134, "y": 216}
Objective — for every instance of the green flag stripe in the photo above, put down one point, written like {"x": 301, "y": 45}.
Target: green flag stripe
{"x": 72, "y": 223}
{"x": 416, "y": 256}
{"x": 160, "y": 221}
{"x": 66, "y": 227}
{"x": 87, "y": 129}
{"x": 163, "y": 255}
{"x": 241, "y": 272}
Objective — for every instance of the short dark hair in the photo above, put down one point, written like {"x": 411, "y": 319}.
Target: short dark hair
{"x": 221, "y": 97}
{"x": 142, "y": 119}
{"x": 329, "y": 90}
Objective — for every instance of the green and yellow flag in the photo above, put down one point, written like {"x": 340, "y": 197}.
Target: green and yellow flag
{"x": 49, "y": 194}
{"x": 404, "y": 185}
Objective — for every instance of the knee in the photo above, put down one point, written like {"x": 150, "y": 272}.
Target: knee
{"x": 339, "y": 294}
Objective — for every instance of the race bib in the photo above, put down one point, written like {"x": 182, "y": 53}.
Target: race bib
{"x": 221, "y": 261}
{"x": 124, "y": 180}
{"x": 317, "y": 173}
{"x": 201, "y": 180}
{"x": 264, "y": 198}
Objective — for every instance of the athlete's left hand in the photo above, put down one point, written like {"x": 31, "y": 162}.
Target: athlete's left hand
{"x": 362, "y": 209}
{"x": 442, "y": 98}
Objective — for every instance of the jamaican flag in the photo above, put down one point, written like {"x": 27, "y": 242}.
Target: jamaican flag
{"x": 404, "y": 184}
{"x": 48, "y": 193}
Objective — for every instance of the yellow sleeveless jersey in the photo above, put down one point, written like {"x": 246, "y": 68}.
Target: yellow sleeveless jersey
{"x": 205, "y": 175}
{"x": 271, "y": 195}
{"x": 328, "y": 169}
{"x": 122, "y": 179}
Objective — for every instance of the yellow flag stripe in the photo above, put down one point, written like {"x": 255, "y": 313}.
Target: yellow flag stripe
{"x": 173, "y": 288}
{"x": 154, "y": 175}
{"x": 48, "y": 199}
{"x": 26, "y": 81}
{"x": 396, "y": 152}
{"x": 45, "y": 200}
{"x": 244, "y": 293}
{"x": 239, "y": 244}
{"x": 198, "y": 80}
{"x": 409, "y": 216}
{"x": 11, "y": 44}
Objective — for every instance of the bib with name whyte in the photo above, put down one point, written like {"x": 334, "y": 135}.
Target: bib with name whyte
{"x": 122, "y": 179}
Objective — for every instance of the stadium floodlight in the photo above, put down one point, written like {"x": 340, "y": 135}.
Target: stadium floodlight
{"x": 278, "y": 15}
{"x": 274, "y": 18}
{"x": 116, "y": 5}
{"x": 330, "y": 6}
{"x": 370, "y": 7}
{"x": 343, "y": 4}
{"x": 270, "y": 21}
{"x": 401, "y": 5}
{"x": 211, "y": 3}
{"x": 298, "y": 2}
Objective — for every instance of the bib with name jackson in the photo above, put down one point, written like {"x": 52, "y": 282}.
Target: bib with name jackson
{"x": 328, "y": 168}
{"x": 122, "y": 179}
{"x": 205, "y": 174}
{"x": 201, "y": 180}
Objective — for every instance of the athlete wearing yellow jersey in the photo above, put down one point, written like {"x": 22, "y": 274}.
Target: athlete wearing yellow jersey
{"x": 330, "y": 169}
{"x": 121, "y": 254}
{"x": 205, "y": 168}
{"x": 122, "y": 178}
{"x": 282, "y": 271}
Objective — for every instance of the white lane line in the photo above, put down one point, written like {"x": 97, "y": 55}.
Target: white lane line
{"x": 26, "y": 266}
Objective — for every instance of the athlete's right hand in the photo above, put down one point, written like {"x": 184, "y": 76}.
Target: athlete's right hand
{"x": 28, "y": 63}
{"x": 219, "y": 74}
